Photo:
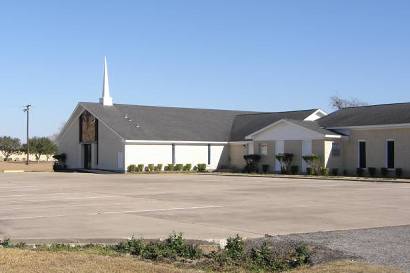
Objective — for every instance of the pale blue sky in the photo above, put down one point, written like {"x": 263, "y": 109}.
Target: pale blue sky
{"x": 231, "y": 54}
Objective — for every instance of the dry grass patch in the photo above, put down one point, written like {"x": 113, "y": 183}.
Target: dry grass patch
{"x": 32, "y": 167}
{"x": 29, "y": 261}
{"x": 346, "y": 267}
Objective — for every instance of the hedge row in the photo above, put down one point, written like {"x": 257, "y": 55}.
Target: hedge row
{"x": 168, "y": 168}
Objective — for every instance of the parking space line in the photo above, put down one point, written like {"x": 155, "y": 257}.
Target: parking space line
{"x": 107, "y": 212}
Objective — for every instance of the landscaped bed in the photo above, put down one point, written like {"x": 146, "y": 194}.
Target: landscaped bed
{"x": 178, "y": 255}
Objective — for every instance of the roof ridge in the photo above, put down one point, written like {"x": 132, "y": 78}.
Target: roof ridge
{"x": 176, "y": 107}
{"x": 374, "y": 105}
{"x": 280, "y": 112}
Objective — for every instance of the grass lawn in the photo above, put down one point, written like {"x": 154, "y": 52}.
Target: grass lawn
{"x": 29, "y": 261}
{"x": 32, "y": 167}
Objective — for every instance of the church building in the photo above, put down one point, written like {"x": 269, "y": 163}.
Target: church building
{"x": 111, "y": 136}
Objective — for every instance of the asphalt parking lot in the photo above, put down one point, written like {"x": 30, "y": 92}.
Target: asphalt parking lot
{"x": 78, "y": 206}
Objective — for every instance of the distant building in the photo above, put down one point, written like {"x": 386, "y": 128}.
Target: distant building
{"x": 112, "y": 136}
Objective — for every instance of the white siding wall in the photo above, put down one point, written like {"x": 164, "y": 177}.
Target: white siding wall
{"x": 184, "y": 154}
{"x": 110, "y": 148}
{"x": 69, "y": 144}
{"x": 286, "y": 131}
{"x": 217, "y": 156}
{"x": 148, "y": 154}
{"x": 191, "y": 154}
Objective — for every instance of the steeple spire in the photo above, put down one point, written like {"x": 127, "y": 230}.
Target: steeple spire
{"x": 106, "y": 98}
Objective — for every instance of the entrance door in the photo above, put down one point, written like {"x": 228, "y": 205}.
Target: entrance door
{"x": 87, "y": 156}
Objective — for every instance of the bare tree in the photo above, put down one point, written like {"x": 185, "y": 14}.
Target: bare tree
{"x": 339, "y": 103}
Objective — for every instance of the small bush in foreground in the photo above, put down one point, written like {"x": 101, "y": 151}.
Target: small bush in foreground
{"x": 132, "y": 168}
{"x": 201, "y": 167}
{"x": 151, "y": 167}
{"x": 399, "y": 172}
{"x": 384, "y": 172}
{"x": 359, "y": 172}
{"x": 178, "y": 167}
{"x": 140, "y": 167}
{"x": 324, "y": 171}
{"x": 187, "y": 167}
{"x": 294, "y": 169}
{"x": 170, "y": 167}
{"x": 265, "y": 168}
{"x": 158, "y": 168}
{"x": 372, "y": 171}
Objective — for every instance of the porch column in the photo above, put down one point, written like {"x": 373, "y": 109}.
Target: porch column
{"x": 251, "y": 149}
{"x": 306, "y": 150}
{"x": 279, "y": 149}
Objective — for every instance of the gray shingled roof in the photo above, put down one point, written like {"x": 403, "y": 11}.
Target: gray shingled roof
{"x": 185, "y": 124}
{"x": 246, "y": 124}
{"x": 382, "y": 114}
{"x": 165, "y": 123}
{"x": 314, "y": 126}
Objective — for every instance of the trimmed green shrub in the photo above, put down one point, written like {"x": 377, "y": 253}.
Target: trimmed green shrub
{"x": 170, "y": 167}
{"x": 372, "y": 171}
{"x": 313, "y": 162}
{"x": 132, "y": 246}
{"x": 158, "y": 168}
{"x": 294, "y": 169}
{"x": 140, "y": 167}
{"x": 251, "y": 163}
{"x": 399, "y": 172}
{"x": 324, "y": 171}
{"x": 178, "y": 167}
{"x": 265, "y": 168}
{"x": 235, "y": 247}
{"x": 285, "y": 160}
{"x": 187, "y": 167}
{"x": 359, "y": 172}
{"x": 132, "y": 168}
{"x": 384, "y": 172}
{"x": 201, "y": 167}
{"x": 309, "y": 171}
{"x": 151, "y": 167}
{"x": 335, "y": 171}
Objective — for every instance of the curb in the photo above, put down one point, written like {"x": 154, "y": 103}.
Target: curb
{"x": 369, "y": 180}
{"x": 12, "y": 171}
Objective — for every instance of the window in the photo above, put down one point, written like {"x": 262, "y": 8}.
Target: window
{"x": 390, "y": 154}
{"x": 209, "y": 154}
{"x": 335, "y": 149}
{"x": 88, "y": 128}
{"x": 362, "y": 154}
{"x": 263, "y": 149}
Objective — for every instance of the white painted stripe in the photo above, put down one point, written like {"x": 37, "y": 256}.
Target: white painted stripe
{"x": 105, "y": 212}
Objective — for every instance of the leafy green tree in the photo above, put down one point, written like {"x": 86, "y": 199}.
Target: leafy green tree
{"x": 42, "y": 146}
{"x": 9, "y": 146}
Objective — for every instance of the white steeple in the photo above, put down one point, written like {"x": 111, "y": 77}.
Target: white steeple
{"x": 106, "y": 98}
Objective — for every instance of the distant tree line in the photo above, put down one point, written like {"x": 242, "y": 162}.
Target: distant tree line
{"x": 38, "y": 146}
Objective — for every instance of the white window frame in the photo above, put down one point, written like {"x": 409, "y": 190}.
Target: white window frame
{"x": 386, "y": 157}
